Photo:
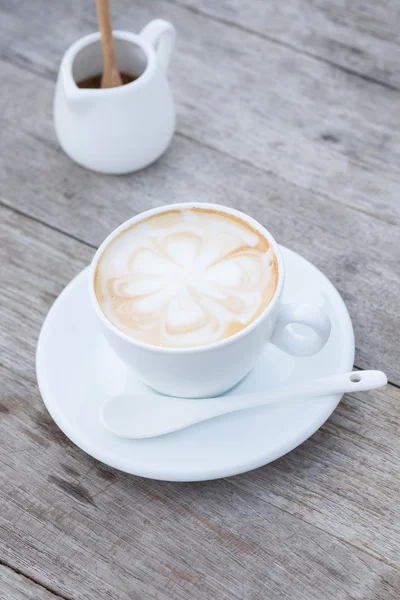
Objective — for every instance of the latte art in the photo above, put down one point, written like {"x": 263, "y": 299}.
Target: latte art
{"x": 186, "y": 278}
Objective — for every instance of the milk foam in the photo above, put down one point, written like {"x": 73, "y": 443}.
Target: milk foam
{"x": 186, "y": 278}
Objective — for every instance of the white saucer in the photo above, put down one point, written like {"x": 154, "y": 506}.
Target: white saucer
{"x": 77, "y": 371}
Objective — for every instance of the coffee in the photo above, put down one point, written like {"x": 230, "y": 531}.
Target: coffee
{"x": 94, "y": 82}
{"x": 186, "y": 278}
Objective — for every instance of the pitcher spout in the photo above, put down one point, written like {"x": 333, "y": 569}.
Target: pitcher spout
{"x": 71, "y": 90}
{"x": 75, "y": 97}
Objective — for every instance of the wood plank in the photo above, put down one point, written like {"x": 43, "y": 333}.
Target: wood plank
{"x": 88, "y": 531}
{"x": 15, "y": 586}
{"x": 326, "y": 473}
{"x": 308, "y": 122}
{"x": 358, "y": 252}
{"x": 360, "y": 36}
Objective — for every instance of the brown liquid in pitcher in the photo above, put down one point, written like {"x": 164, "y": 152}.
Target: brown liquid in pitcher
{"x": 94, "y": 82}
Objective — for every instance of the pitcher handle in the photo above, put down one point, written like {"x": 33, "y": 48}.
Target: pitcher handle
{"x": 161, "y": 35}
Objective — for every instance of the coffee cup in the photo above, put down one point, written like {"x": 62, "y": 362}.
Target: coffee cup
{"x": 211, "y": 358}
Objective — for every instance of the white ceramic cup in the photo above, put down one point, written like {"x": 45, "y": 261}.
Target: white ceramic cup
{"x": 214, "y": 368}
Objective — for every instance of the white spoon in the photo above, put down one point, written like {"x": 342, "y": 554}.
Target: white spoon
{"x": 145, "y": 415}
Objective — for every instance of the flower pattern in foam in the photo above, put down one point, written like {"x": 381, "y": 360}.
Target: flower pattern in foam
{"x": 189, "y": 283}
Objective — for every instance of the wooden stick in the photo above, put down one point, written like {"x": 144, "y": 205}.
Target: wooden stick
{"x": 111, "y": 76}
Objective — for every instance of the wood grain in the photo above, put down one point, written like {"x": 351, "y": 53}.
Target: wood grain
{"x": 360, "y": 37}
{"x": 358, "y": 252}
{"x": 325, "y": 517}
{"x": 311, "y": 124}
{"x": 14, "y": 586}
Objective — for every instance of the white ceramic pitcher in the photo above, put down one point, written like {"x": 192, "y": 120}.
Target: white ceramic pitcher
{"x": 123, "y": 129}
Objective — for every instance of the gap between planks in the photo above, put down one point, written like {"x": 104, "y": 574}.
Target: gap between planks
{"x": 27, "y": 67}
{"x": 257, "y": 167}
{"x": 230, "y": 481}
{"x": 47, "y": 588}
{"x": 273, "y": 40}
{"x": 277, "y": 42}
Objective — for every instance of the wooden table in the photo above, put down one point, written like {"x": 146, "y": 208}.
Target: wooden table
{"x": 291, "y": 112}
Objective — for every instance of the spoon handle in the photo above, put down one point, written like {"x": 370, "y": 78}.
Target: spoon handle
{"x": 355, "y": 381}
{"x": 149, "y": 416}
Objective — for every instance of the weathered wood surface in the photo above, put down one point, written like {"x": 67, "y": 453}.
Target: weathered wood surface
{"x": 325, "y": 517}
{"x": 361, "y": 37}
{"x": 265, "y": 104}
{"x": 289, "y": 111}
{"x": 14, "y": 586}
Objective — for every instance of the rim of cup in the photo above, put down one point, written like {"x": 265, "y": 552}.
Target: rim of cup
{"x": 191, "y": 349}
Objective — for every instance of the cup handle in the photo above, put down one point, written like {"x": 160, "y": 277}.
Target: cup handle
{"x": 161, "y": 35}
{"x": 286, "y": 339}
